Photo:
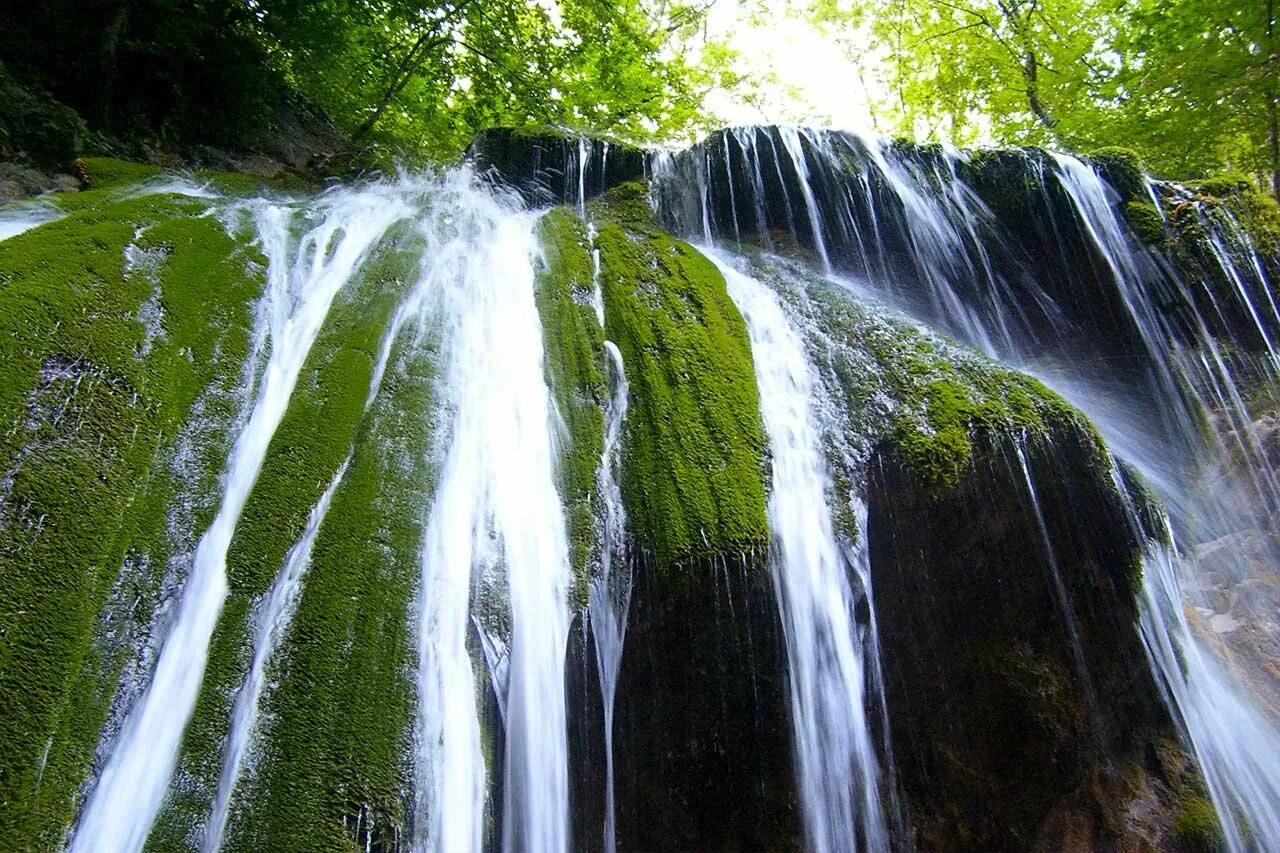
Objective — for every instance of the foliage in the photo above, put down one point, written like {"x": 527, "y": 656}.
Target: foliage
{"x": 411, "y": 75}
{"x": 1190, "y": 83}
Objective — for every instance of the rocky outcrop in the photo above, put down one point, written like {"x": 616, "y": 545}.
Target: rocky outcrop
{"x": 549, "y": 166}
{"x": 1023, "y": 711}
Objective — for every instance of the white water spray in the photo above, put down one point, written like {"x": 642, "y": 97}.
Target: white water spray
{"x": 496, "y": 512}
{"x": 835, "y": 752}
{"x": 610, "y": 595}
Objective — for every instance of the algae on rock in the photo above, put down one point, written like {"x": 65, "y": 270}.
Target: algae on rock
{"x": 316, "y": 435}
{"x": 693, "y": 477}
{"x": 574, "y": 345}
{"x": 101, "y": 364}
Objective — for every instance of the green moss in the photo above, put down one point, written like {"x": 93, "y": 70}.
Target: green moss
{"x": 316, "y": 434}
{"x": 693, "y": 469}
{"x": 324, "y": 413}
{"x": 100, "y": 366}
{"x": 934, "y": 403}
{"x": 1259, "y": 215}
{"x": 1006, "y": 180}
{"x": 627, "y": 205}
{"x": 1123, "y": 169}
{"x": 1225, "y": 185}
{"x": 1197, "y": 829}
{"x": 100, "y": 173}
{"x": 241, "y": 184}
{"x": 937, "y": 446}
{"x": 1146, "y": 221}
{"x": 336, "y": 730}
{"x": 574, "y": 345}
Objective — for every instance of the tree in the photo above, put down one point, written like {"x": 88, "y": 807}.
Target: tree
{"x": 418, "y": 75}
{"x": 1191, "y": 84}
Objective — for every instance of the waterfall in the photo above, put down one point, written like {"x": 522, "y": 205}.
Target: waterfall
{"x": 496, "y": 522}
{"x": 1235, "y": 745}
{"x": 302, "y": 282}
{"x": 610, "y": 594}
{"x": 835, "y": 751}
{"x": 18, "y": 218}
{"x": 1237, "y": 749}
{"x": 905, "y": 225}
{"x": 273, "y": 621}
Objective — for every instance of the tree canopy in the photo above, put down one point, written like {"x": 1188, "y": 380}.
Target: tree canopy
{"x": 422, "y": 75}
{"x": 1191, "y": 84}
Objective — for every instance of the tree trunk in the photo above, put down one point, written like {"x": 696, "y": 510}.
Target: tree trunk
{"x": 1273, "y": 121}
{"x": 1030, "y": 71}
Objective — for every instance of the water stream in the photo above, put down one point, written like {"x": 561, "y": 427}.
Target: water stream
{"x": 826, "y": 654}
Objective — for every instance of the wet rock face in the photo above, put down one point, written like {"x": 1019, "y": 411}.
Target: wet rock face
{"x": 550, "y": 168}
{"x": 993, "y": 227}
{"x": 1001, "y": 742}
{"x": 702, "y": 739}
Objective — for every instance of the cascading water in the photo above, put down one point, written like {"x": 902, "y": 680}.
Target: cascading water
{"x": 1237, "y": 748}
{"x": 888, "y": 219}
{"x": 273, "y": 621}
{"x": 835, "y": 751}
{"x": 20, "y": 218}
{"x": 497, "y": 522}
{"x": 610, "y": 594}
{"x": 302, "y": 282}
{"x": 493, "y": 558}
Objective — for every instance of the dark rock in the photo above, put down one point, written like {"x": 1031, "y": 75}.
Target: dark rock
{"x": 10, "y": 191}
{"x": 1001, "y": 742}
{"x": 30, "y": 180}
{"x": 65, "y": 183}
{"x": 703, "y": 742}
{"x": 547, "y": 166}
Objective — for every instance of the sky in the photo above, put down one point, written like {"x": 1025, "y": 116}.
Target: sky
{"x": 814, "y": 80}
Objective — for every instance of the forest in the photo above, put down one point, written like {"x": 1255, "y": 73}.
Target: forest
{"x": 1191, "y": 85}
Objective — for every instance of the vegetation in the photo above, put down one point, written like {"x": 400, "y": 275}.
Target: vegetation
{"x": 314, "y": 438}
{"x": 1192, "y": 84}
{"x": 1197, "y": 829}
{"x": 336, "y": 726}
{"x": 693, "y": 476}
{"x": 931, "y": 401}
{"x": 109, "y": 359}
{"x": 420, "y": 76}
{"x": 574, "y": 344}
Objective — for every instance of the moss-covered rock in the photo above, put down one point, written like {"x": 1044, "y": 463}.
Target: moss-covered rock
{"x": 315, "y": 436}
{"x": 934, "y": 402}
{"x": 1123, "y": 169}
{"x": 693, "y": 465}
{"x": 574, "y": 347}
{"x": 1224, "y": 185}
{"x": 102, "y": 173}
{"x": 1197, "y": 828}
{"x": 336, "y": 727}
{"x": 104, "y": 353}
{"x": 1146, "y": 222}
